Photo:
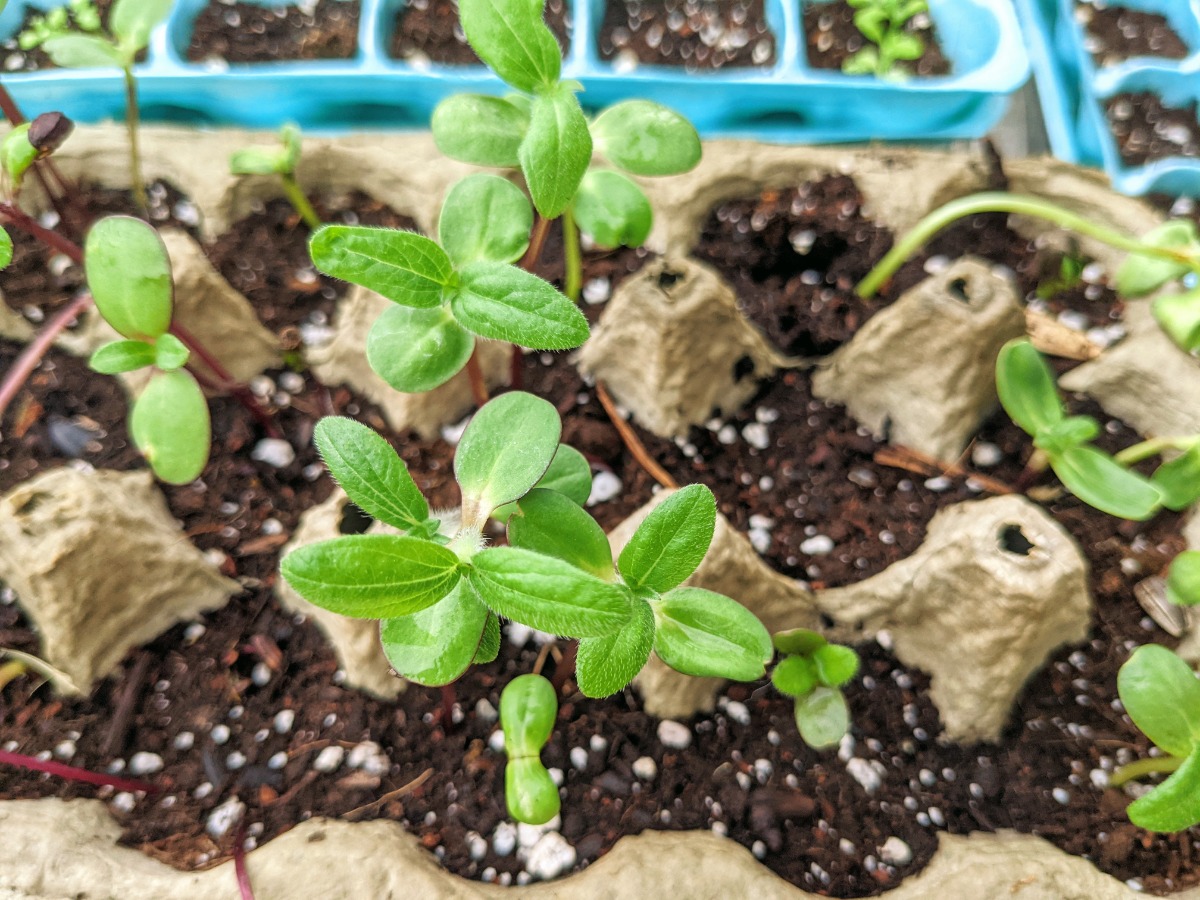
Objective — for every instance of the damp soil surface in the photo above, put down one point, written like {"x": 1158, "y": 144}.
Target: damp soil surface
{"x": 711, "y": 34}
{"x": 831, "y": 37}
{"x": 1117, "y": 33}
{"x": 429, "y": 30}
{"x": 1146, "y": 129}
{"x": 242, "y": 703}
{"x": 248, "y": 33}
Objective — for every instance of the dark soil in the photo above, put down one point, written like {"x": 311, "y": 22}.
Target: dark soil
{"x": 1146, "y": 129}
{"x": 246, "y": 33}
{"x": 831, "y": 37}
{"x": 18, "y": 60}
{"x": 429, "y": 29}
{"x": 711, "y": 34}
{"x": 1117, "y": 33}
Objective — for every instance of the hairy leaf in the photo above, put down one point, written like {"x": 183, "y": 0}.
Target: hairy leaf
{"x": 798, "y": 641}
{"x": 485, "y": 218}
{"x": 835, "y": 664}
{"x": 795, "y": 676}
{"x": 556, "y": 151}
{"x": 407, "y": 268}
{"x": 513, "y": 41}
{"x": 704, "y": 633}
{"x": 489, "y": 642}
{"x": 505, "y": 303}
{"x": 672, "y": 541}
{"x": 645, "y": 138}
{"x": 481, "y": 130}
{"x": 436, "y": 645}
{"x": 416, "y": 350}
{"x": 551, "y": 523}
{"x": 170, "y": 426}
{"x": 370, "y": 472}
{"x": 129, "y": 275}
{"x": 604, "y": 665}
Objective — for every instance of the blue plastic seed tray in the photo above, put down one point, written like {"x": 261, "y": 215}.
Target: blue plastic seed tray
{"x": 785, "y": 101}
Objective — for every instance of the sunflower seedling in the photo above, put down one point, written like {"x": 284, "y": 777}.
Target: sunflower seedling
{"x": 884, "y": 25}
{"x": 280, "y": 160}
{"x": 813, "y": 671}
{"x": 528, "y": 707}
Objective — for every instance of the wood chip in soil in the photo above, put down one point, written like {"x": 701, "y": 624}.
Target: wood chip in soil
{"x": 247, "y": 33}
{"x": 831, "y": 37}
{"x": 429, "y": 31}
{"x": 1146, "y": 129}
{"x": 712, "y": 34}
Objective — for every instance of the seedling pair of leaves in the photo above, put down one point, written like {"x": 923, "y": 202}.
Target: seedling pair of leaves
{"x": 73, "y": 37}
{"x": 280, "y": 160}
{"x": 129, "y": 274}
{"x": 28, "y": 142}
{"x": 542, "y": 130}
{"x": 1029, "y": 395}
{"x": 1177, "y": 314}
{"x": 528, "y": 708}
{"x": 882, "y": 23}
{"x": 813, "y": 671}
{"x": 454, "y": 290}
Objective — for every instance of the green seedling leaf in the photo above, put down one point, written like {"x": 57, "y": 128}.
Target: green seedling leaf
{"x": 485, "y": 218}
{"x": 835, "y": 664}
{"x": 84, "y": 51}
{"x": 436, "y": 645}
{"x": 258, "y": 161}
{"x": 122, "y": 356}
{"x": 1162, "y": 696}
{"x": 822, "y": 717}
{"x": 1183, "y": 579}
{"x": 703, "y": 633}
{"x": 671, "y": 542}
{"x": 18, "y": 155}
{"x": 1179, "y": 316}
{"x": 528, "y": 708}
{"x": 1140, "y": 275}
{"x": 417, "y": 350}
{"x": 1175, "y": 804}
{"x": 481, "y": 130}
{"x": 129, "y": 275}
{"x": 1070, "y": 432}
{"x": 131, "y": 21}
{"x": 905, "y": 45}
{"x": 489, "y": 642}
{"x": 552, "y": 524}
{"x": 372, "y": 576}
{"x": 513, "y": 41}
{"x": 547, "y": 593}
{"x": 795, "y": 676}
{"x": 612, "y": 209}
{"x": 1026, "y": 387}
{"x": 1100, "y": 481}
{"x": 170, "y": 353}
{"x": 864, "y": 62}
{"x": 556, "y": 150}
{"x": 604, "y": 665}
{"x": 370, "y": 472}
{"x": 798, "y": 641}
{"x": 529, "y": 792}
{"x": 6, "y": 249}
{"x": 170, "y": 426}
{"x": 504, "y": 451}
{"x": 645, "y": 138}
{"x": 505, "y": 303}
{"x": 569, "y": 474}
{"x": 1179, "y": 479}
{"x": 407, "y": 268}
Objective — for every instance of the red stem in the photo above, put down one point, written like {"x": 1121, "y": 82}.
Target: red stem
{"x": 50, "y": 238}
{"x": 8, "y": 105}
{"x": 227, "y": 382}
{"x": 475, "y": 376}
{"x": 71, "y": 773}
{"x": 239, "y": 863}
{"x": 24, "y": 365}
{"x": 537, "y": 239}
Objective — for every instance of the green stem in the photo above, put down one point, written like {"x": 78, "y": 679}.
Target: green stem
{"x": 1155, "y": 446}
{"x": 1139, "y": 768}
{"x": 995, "y": 201}
{"x": 135, "y": 153}
{"x": 574, "y": 276}
{"x": 299, "y": 200}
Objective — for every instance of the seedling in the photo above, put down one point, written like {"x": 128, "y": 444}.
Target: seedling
{"x": 1162, "y": 697}
{"x": 77, "y": 41}
{"x": 280, "y": 160}
{"x": 1183, "y": 579}
{"x": 883, "y": 23}
{"x": 129, "y": 275}
{"x": 528, "y": 707}
{"x": 813, "y": 672}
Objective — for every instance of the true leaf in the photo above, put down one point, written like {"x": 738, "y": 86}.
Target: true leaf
{"x": 1183, "y": 579}
{"x": 1026, "y": 387}
{"x": 835, "y": 664}
{"x": 798, "y": 641}
{"x": 672, "y": 541}
{"x": 129, "y": 275}
{"x": 612, "y": 209}
{"x": 1162, "y": 696}
{"x": 481, "y": 130}
{"x": 1070, "y": 432}
{"x": 370, "y": 472}
{"x": 551, "y": 523}
{"x": 528, "y": 707}
{"x": 1179, "y": 316}
{"x": 604, "y": 665}
{"x": 645, "y": 138}
{"x": 131, "y": 21}
{"x": 489, "y": 641}
{"x": 505, "y": 303}
{"x": 1179, "y": 479}
{"x": 170, "y": 426}
{"x": 83, "y": 51}
{"x": 795, "y": 676}
{"x": 513, "y": 41}
{"x": 121, "y": 356}
{"x": 1100, "y": 481}
{"x": 170, "y": 353}
{"x": 1139, "y": 275}
{"x": 822, "y": 717}
{"x": 407, "y": 268}
{"x": 417, "y": 350}
{"x": 436, "y": 645}
{"x": 485, "y": 217}
{"x": 556, "y": 150}
{"x": 547, "y": 593}
{"x": 1173, "y": 805}
{"x": 372, "y": 576}
{"x": 703, "y": 633}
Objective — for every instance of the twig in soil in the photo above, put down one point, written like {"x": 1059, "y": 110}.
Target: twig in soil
{"x": 540, "y": 662}
{"x": 18, "y": 373}
{"x": 391, "y": 795}
{"x": 564, "y": 667}
{"x": 71, "y": 773}
{"x": 448, "y": 699}
{"x": 912, "y": 461}
{"x": 632, "y": 442}
{"x": 239, "y": 863}
{"x": 115, "y": 740}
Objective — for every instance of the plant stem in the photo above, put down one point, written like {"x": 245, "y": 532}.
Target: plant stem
{"x": 299, "y": 200}
{"x": 564, "y": 668}
{"x": 573, "y": 280}
{"x": 632, "y": 442}
{"x": 536, "y": 241}
{"x": 995, "y": 201}
{"x": 135, "y": 153}
{"x": 15, "y": 117}
{"x": 479, "y": 389}
{"x": 23, "y": 366}
{"x": 72, "y": 773}
{"x": 9, "y": 107}
{"x": 1153, "y": 447}
{"x": 239, "y": 863}
{"x": 1139, "y": 768}
{"x": 20, "y": 219}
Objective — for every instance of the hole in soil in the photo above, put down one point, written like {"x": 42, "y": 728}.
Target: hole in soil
{"x": 667, "y": 278}
{"x": 354, "y": 520}
{"x": 742, "y": 368}
{"x": 958, "y": 290}
{"x": 1013, "y": 540}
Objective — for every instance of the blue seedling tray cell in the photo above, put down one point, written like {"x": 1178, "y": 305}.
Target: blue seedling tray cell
{"x": 786, "y": 101}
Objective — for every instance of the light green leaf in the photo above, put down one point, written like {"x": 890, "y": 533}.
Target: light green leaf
{"x": 481, "y": 130}
{"x": 258, "y": 161}
{"x": 570, "y": 474}
{"x": 18, "y": 155}
{"x": 1183, "y": 579}
{"x": 83, "y": 51}
{"x": 551, "y": 523}
{"x": 485, "y": 218}
{"x": 170, "y": 353}
{"x": 1179, "y": 316}
{"x": 1175, "y": 804}
{"x": 556, "y": 151}
{"x": 436, "y": 645}
{"x": 1179, "y": 479}
{"x": 708, "y": 634}
{"x": 604, "y": 665}
{"x": 864, "y": 62}
{"x": 528, "y": 708}
{"x": 405, "y": 267}
{"x": 489, "y": 642}
{"x": 1070, "y": 432}
{"x": 1026, "y": 387}
{"x": 372, "y": 576}
{"x": 129, "y": 275}
{"x": 529, "y": 792}
{"x": 645, "y": 138}
{"x": 170, "y": 426}
{"x": 823, "y": 718}
{"x": 121, "y": 356}
{"x": 416, "y": 350}
{"x": 547, "y": 593}
{"x": 513, "y": 41}
{"x": 904, "y": 45}
{"x": 612, "y": 209}
{"x": 370, "y": 472}
{"x": 1162, "y": 696}
{"x": 131, "y": 21}
{"x": 835, "y": 664}
{"x": 1100, "y": 481}
{"x": 1140, "y": 275}
{"x": 795, "y": 676}
{"x": 798, "y": 641}
{"x": 671, "y": 541}
{"x": 505, "y": 303}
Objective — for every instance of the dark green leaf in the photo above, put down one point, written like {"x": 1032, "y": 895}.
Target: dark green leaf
{"x": 529, "y": 792}
{"x": 122, "y": 356}
{"x": 370, "y": 472}
{"x": 1175, "y": 804}
{"x": 672, "y": 541}
{"x": 485, "y": 218}
{"x": 795, "y": 676}
{"x": 170, "y": 426}
{"x": 553, "y": 524}
{"x": 528, "y": 708}
{"x": 703, "y": 633}
{"x": 404, "y": 267}
{"x": 489, "y": 643}
{"x": 612, "y": 209}
{"x": 1140, "y": 275}
{"x": 417, "y": 350}
{"x": 822, "y": 717}
{"x": 436, "y": 645}
{"x": 1100, "y": 481}
{"x": 514, "y": 42}
{"x": 556, "y": 150}
{"x": 798, "y": 641}
{"x": 129, "y": 275}
{"x": 604, "y": 665}
{"x": 646, "y": 139}
{"x": 1179, "y": 479}
{"x": 481, "y": 130}
{"x": 1026, "y": 387}
{"x": 1183, "y": 579}
{"x": 505, "y": 303}
{"x": 835, "y": 664}
{"x": 1162, "y": 696}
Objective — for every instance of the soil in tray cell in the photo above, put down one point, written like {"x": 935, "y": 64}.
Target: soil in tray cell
{"x": 698, "y": 36}
{"x": 831, "y": 37}
{"x": 429, "y": 31}
{"x": 1116, "y": 33}
{"x": 246, "y": 33}
{"x": 1146, "y": 129}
